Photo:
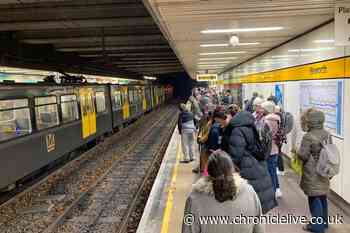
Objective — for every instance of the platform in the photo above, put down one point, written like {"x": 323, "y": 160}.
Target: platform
{"x": 165, "y": 207}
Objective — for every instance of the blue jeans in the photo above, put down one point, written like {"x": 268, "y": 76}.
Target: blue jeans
{"x": 272, "y": 162}
{"x": 319, "y": 209}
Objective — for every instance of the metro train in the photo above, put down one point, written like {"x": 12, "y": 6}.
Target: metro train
{"x": 41, "y": 123}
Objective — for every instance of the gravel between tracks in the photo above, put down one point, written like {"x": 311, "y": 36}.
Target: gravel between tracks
{"x": 74, "y": 179}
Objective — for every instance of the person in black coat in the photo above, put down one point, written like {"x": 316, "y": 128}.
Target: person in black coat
{"x": 238, "y": 138}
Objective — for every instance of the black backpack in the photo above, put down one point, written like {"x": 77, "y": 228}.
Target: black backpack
{"x": 262, "y": 148}
{"x": 285, "y": 127}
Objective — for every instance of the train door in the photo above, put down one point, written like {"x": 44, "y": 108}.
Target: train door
{"x": 87, "y": 106}
{"x": 156, "y": 95}
{"x": 126, "y": 107}
{"x": 144, "y": 101}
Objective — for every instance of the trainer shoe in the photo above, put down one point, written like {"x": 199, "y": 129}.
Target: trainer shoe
{"x": 280, "y": 173}
{"x": 278, "y": 193}
{"x": 195, "y": 170}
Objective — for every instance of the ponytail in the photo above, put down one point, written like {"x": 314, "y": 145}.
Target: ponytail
{"x": 220, "y": 169}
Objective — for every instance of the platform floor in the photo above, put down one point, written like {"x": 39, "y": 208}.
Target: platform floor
{"x": 164, "y": 210}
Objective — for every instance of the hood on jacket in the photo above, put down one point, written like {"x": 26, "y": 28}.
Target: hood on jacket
{"x": 243, "y": 118}
{"x": 312, "y": 119}
{"x": 204, "y": 184}
{"x": 272, "y": 117}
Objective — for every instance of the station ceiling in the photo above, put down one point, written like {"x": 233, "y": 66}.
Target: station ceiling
{"x": 260, "y": 25}
{"x": 116, "y": 37}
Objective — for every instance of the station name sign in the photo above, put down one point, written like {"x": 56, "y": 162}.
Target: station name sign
{"x": 342, "y": 24}
{"x": 207, "y": 77}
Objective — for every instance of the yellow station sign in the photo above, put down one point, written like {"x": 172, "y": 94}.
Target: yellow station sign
{"x": 332, "y": 69}
{"x": 207, "y": 77}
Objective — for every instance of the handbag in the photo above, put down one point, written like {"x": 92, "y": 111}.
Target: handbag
{"x": 297, "y": 164}
{"x": 204, "y": 133}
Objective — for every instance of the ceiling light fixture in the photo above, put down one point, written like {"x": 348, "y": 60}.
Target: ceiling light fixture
{"x": 234, "y": 40}
{"x": 235, "y": 30}
{"x": 214, "y": 62}
{"x": 217, "y": 58}
{"x": 311, "y": 49}
{"x": 149, "y": 78}
{"x": 249, "y": 43}
{"x": 284, "y": 56}
{"x": 226, "y": 45}
{"x": 326, "y": 41}
{"x": 214, "y": 45}
{"x": 217, "y": 53}
{"x": 210, "y": 67}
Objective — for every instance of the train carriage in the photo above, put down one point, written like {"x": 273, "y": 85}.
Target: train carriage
{"x": 42, "y": 123}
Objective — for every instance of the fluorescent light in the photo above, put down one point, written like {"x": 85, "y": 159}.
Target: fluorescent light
{"x": 217, "y": 58}
{"x": 210, "y": 67}
{"x": 275, "y": 60}
{"x": 213, "y": 65}
{"x": 324, "y": 41}
{"x": 249, "y": 43}
{"x": 285, "y": 55}
{"x": 233, "y": 30}
{"x": 203, "y": 64}
{"x": 217, "y": 53}
{"x": 149, "y": 78}
{"x": 311, "y": 49}
{"x": 226, "y": 45}
{"x": 214, "y": 62}
{"x": 214, "y": 45}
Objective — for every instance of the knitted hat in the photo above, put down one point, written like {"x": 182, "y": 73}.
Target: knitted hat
{"x": 268, "y": 106}
{"x": 258, "y": 101}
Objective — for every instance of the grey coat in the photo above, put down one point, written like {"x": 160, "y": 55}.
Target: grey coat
{"x": 311, "y": 183}
{"x": 201, "y": 202}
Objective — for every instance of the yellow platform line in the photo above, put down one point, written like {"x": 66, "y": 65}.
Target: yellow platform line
{"x": 171, "y": 190}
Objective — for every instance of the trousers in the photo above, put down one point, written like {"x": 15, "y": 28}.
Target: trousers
{"x": 272, "y": 166}
{"x": 187, "y": 141}
{"x": 319, "y": 209}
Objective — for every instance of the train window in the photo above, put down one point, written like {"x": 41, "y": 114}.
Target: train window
{"x": 100, "y": 102}
{"x": 69, "y": 108}
{"x": 117, "y": 100}
{"x": 131, "y": 97}
{"x": 46, "y": 112}
{"x": 14, "y": 119}
{"x": 135, "y": 96}
{"x": 45, "y": 100}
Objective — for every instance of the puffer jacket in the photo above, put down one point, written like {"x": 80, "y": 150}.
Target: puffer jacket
{"x": 186, "y": 122}
{"x": 311, "y": 183}
{"x": 237, "y": 139}
{"x": 201, "y": 203}
{"x": 213, "y": 142}
{"x": 273, "y": 121}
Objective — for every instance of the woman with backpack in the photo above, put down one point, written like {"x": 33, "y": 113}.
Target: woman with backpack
{"x": 273, "y": 121}
{"x": 209, "y": 139}
{"x": 241, "y": 141}
{"x": 315, "y": 186}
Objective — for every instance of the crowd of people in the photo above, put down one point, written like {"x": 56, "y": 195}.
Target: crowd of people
{"x": 240, "y": 158}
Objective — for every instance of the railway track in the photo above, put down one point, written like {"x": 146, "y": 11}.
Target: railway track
{"x": 108, "y": 205}
{"x": 116, "y": 161}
